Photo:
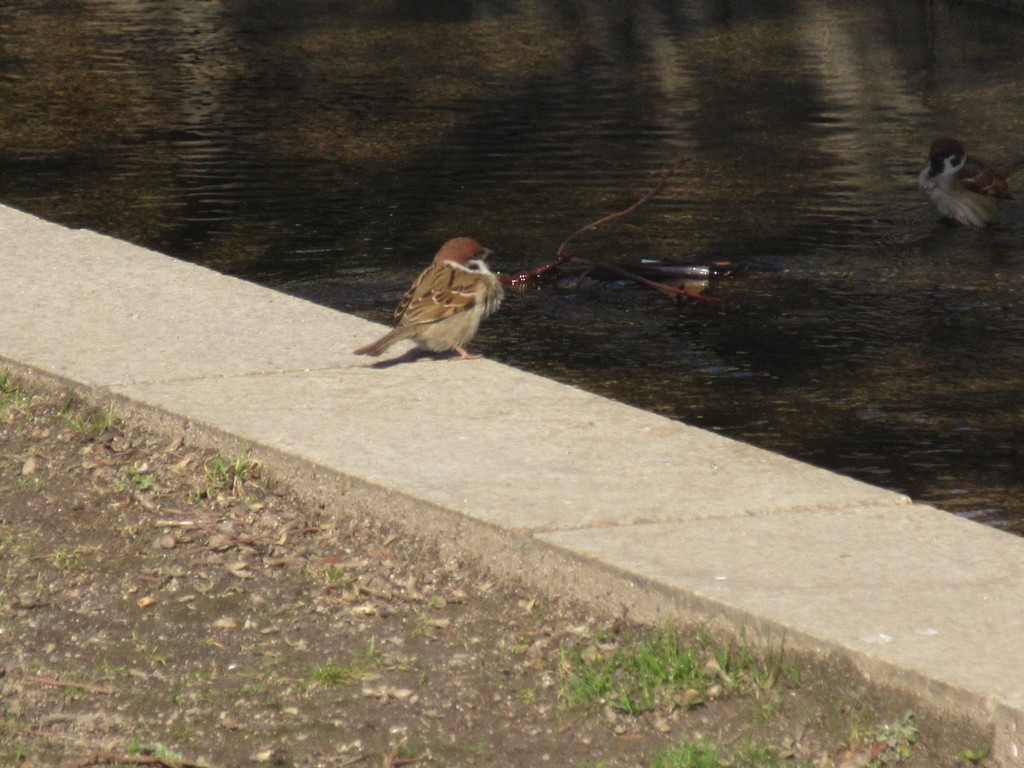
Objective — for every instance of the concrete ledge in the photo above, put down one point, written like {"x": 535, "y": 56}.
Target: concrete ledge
{"x": 578, "y": 495}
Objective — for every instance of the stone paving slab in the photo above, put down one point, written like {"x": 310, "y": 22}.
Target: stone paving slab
{"x": 569, "y": 460}
{"x": 141, "y": 316}
{"x": 920, "y": 589}
{"x": 645, "y": 510}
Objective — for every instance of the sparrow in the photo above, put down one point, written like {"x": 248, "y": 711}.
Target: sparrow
{"x": 962, "y": 187}
{"x": 443, "y": 309}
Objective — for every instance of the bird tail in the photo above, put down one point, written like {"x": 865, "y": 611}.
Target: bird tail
{"x": 1015, "y": 166}
{"x": 381, "y": 345}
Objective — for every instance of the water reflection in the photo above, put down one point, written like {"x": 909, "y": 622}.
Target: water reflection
{"x": 328, "y": 148}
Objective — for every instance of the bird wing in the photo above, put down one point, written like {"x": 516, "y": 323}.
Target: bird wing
{"x": 439, "y": 292}
{"x": 979, "y": 178}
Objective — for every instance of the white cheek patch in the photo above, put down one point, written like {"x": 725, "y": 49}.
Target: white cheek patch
{"x": 955, "y": 162}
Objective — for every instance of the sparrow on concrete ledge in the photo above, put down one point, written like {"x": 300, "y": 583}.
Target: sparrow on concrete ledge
{"x": 962, "y": 187}
{"x": 443, "y": 309}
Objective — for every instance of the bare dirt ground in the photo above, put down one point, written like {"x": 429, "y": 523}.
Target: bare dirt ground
{"x": 163, "y": 605}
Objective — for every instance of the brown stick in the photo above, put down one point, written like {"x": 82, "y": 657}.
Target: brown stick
{"x": 112, "y": 758}
{"x": 61, "y": 683}
{"x": 561, "y": 255}
{"x": 663, "y": 287}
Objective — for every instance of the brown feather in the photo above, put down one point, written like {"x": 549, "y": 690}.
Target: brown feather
{"x": 440, "y": 292}
{"x": 978, "y": 177}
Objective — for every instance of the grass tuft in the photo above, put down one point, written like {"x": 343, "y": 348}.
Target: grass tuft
{"x": 632, "y": 679}
{"x": 356, "y": 671}
{"x": 92, "y": 421}
{"x": 225, "y": 475}
{"x": 703, "y": 754}
{"x": 661, "y": 670}
{"x": 6, "y": 388}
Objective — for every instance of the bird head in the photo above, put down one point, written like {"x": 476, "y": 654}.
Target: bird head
{"x": 946, "y": 156}
{"x": 461, "y": 250}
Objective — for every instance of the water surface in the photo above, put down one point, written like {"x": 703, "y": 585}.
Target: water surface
{"x": 326, "y": 149}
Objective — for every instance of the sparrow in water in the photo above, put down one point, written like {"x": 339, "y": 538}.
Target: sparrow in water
{"x": 443, "y": 309}
{"x": 962, "y": 187}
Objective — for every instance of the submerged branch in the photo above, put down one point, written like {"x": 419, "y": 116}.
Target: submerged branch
{"x": 668, "y": 290}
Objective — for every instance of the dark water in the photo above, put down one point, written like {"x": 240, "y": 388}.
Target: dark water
{"x": 327, "y": 148}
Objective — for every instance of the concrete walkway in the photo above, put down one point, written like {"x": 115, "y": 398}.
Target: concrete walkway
{"x": 573, "y": 493}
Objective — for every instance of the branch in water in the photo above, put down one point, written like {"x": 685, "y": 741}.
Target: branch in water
{"x": 665, "y": 288}
{"x": 526, "y": 277}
